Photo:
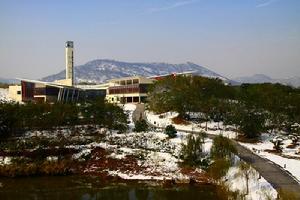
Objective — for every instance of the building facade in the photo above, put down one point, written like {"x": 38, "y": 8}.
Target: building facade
{"x": 128, "y": 90}
{"x": 38, "y": 91}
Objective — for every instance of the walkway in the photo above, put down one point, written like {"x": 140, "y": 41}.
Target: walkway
{"x": 139, "y": 112}
{"x": 273, "y": 173}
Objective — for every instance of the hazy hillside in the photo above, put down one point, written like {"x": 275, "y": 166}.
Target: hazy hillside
{"x": 261, "y": 78}
{"x": 8, "y": 80}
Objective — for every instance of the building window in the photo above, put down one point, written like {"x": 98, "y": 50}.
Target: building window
{"x": 135, "y": 81}
{"x": 18, "y": 92}
{"x": 135, "y": 99}
{"x": 129, "y": 82}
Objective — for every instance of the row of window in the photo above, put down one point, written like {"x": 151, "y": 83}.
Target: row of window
{"x": 128, "y": 82}
{"x": 142, "y": 88}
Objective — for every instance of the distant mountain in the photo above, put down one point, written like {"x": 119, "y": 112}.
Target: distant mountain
{"x": 101, "y": 70}
{"x": 261, "y": 78}
{"x": 8, "y": 80}
{"x": 256, "y": 78}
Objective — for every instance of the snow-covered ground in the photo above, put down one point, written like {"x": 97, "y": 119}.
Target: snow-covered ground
{"x": 129, "y": 109}
{"x": 4, "y": 95}
{"x": 258, "y": 187}
{"x": 165, "y": 119}
{"x": 292, "y": 165}
{"x": 160, "y": 157}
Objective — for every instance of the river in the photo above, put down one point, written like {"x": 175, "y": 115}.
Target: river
{"x": 85, "y": 188}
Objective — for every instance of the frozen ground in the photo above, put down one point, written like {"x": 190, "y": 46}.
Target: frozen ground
{"x": 4, "y": 95}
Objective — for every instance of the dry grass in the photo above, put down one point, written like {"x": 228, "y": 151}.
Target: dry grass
{"x": 179, "y": 120}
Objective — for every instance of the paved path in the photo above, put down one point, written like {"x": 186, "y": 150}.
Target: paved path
{"x": 273, "y": 173}
{"x": 139, "y": 112}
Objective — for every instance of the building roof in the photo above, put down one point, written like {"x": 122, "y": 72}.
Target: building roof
{"x": 103, "y": 86}
{"x": 53, "y": 84}
{"x": 175, "y": 73}
{"x": 125, "y": 78}
{"x": 142, "y": 79}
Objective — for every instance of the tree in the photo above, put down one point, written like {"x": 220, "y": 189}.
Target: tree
{"x": 247, "y": 171}
{"x": 294, "y": 138}
{"x": 192, "y": 152}
{"x": 9, "y": 121}
{"x": 222, "y": 148}
{"x": 222, "y": 152}
{"x": 171, "y": 131}
{"x": 252, "y": 123}
{"x": 277, "y": 141}
{"x": 115, "y": 118}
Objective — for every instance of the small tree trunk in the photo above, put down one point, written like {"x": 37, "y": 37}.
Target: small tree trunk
{"x": 247, "y": 183}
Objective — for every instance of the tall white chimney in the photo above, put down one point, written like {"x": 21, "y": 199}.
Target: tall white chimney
{"x": 70, "y": 61}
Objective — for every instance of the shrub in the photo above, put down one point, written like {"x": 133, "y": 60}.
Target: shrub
{"x": 140, "y": 126}
{"x": 171, "y": 131}
{"x": 277, "y": 141}
{"x": 286, "y": 195}
{"x": 219, "y": 168}
{"x": 36, "y": 168}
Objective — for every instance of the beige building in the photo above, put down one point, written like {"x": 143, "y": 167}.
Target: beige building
{"x": 15, "y": 93}
{"x": 128, "y": 90}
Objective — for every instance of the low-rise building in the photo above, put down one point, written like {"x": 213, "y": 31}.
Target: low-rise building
{"x": 40, "y": 91}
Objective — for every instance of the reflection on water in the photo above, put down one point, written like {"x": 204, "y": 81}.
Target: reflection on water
{"x": 91, "y": 188}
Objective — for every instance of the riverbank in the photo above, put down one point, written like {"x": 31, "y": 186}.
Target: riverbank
{"x": 137, "y": 156}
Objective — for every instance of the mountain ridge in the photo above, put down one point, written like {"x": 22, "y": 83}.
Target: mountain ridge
{"x": 101, "y": 70}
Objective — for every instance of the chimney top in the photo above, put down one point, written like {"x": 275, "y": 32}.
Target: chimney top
{"x": 69, "y": 44}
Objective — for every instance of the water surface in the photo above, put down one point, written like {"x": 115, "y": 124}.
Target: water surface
{"x": 85, "y": 188}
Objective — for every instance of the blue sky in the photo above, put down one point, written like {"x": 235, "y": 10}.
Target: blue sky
{"x": 231, "y": 37}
